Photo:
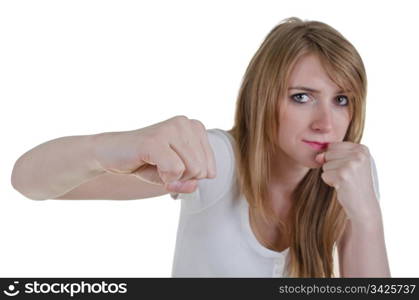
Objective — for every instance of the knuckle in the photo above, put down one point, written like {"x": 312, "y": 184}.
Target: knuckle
{"x": 181, "y": 119}
{"x": 360, "y": 156}
{"x": 194, "y": 171}
{"x": 364, "y": 150}
{"x": 176, "y": 170}
{"x": 177, "y": 126}
{"x": 197, "y": 124}
{"x": 343, "y": 175}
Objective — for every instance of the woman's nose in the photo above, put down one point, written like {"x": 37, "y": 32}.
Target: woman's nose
{"x": 322, "y": 119}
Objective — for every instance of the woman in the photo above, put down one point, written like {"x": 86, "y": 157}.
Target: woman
{"x": 271, "y": 197}
{"x": 312, "y": 193}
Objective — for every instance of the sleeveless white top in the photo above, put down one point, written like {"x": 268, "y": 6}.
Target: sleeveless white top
{"x": 214, "y": 237}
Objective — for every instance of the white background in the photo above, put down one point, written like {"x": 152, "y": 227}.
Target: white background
{"x": 84, "y": 67}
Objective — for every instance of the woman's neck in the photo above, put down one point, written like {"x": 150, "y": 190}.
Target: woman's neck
{"x": 285, "y": 176}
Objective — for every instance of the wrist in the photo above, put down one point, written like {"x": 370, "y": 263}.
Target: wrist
{"x": 94, "y": 142}
{"x": 369, "y": 222}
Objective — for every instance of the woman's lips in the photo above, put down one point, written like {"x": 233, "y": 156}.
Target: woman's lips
{"x": 317, "y": 146}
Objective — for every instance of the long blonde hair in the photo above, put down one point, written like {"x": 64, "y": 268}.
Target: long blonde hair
{"x": 317, "y": 219}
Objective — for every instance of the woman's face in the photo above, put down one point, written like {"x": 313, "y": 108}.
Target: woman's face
{"x": 320, "y": 114}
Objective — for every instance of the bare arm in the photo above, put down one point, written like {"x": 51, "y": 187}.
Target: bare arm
{"x": 134, "y": 164}
{"x": 362, "y": 250}
{"x": 114, "y": 187}
{"x": 55, "y": 167}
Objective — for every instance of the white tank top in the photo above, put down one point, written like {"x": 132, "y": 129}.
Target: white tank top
{"x": 214, "y": 237}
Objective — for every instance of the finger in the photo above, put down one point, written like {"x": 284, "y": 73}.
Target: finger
{"x": 320, "y": 158}
{"x": 202, "y": 139}
{"x": 188, "y": 146}
{"x": 334, "y": 146}
{"x": 327, "y": 155}
{"x": 337, "y": 154}
{"x": 330, "y": 178}
{"x": 148, "y": 173}
{"x": 170, "y": 166}
{"x": 334, "y": 164}
{"x": 188, "y": 186}
{"x": 341, "y": 145}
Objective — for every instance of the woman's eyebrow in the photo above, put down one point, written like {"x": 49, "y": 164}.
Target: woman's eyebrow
{"x": 309, "y": 89}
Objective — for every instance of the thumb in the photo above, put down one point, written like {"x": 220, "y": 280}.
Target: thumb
{"x": 187, "y": 186}
{"x": 320, "y": 158}
{"x": 148, "y": 173}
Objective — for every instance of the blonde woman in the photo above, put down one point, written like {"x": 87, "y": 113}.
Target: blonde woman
{"x": 288, "y": 191}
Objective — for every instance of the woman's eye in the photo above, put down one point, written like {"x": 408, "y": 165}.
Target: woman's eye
{"x": 299, "y": 98}
{"x": 345, "y": 100}
{"x": 303, "y": 98}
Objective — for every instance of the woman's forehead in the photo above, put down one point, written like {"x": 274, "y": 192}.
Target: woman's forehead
{"x": 309, "y": 74}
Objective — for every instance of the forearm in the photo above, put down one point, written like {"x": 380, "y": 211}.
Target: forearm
{"x": 55, "y": 167}
{"x": 364, "y": 250}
